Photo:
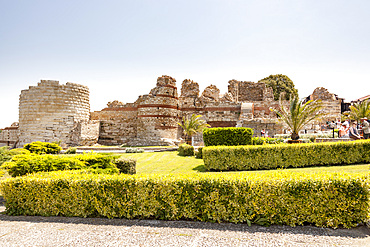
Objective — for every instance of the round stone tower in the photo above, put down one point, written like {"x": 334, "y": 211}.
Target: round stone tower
{"x": 158, "y": 113}
{"x": 49, "y": 111}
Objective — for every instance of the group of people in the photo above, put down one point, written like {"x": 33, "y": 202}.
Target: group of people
{"x": 350, "y": 131}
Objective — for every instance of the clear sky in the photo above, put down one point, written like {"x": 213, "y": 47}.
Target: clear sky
{"x": 119, "y": 48}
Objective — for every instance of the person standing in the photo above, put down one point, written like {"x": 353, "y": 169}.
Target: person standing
{"x": 263, "y": 133}
{"x": 353, "y": 133}
{"x": 365, "y": 128}
{"x": 343, "y": 130}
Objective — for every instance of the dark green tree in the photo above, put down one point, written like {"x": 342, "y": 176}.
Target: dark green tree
{"x": 281, "y": 83}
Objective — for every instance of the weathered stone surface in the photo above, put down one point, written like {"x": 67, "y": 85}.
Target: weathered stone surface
{"x": 189, "y": 88}
{"x": 247, "y": 91}
{"x": 114, "y": 104}
{"x": 331, "y": 103}
{"x": 227, "y": 97}
{"x": 211, "y": 93}
{"x": 322, "y": 94}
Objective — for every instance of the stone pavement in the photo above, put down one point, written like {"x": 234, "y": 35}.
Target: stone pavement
{"x": 73, "y": 231}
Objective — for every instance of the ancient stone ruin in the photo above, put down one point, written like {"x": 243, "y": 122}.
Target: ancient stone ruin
{"x": 53, "y": 112}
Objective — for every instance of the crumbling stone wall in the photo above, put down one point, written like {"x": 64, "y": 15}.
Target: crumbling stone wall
{"x": 331, "y": 103}
{"x": 118, "y": 123}
{"x": 247, "y": 91}
{"x": 218, "y": 112}
{"x": 53, "y": 112}
{"x": 49, "y": 111}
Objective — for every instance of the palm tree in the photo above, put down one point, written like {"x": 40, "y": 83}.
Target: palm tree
{"x": 360, "y": 110}
{"x": 299, "y": 114}
{"x": 192, "y": 126}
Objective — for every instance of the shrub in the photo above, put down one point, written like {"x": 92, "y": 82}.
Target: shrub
{"x": 30, "y": 163}
{"x": 43, "y": 148}
{"x": 126, "y": 165}
{"x": 240, "y": 158}
{"x": 227, "y": 136}
{"x": 199, "y": 153}
{"x": 94, "y": 160}
{"x": 6, "y": 154}
{"x": 134, "y": 150}
{"x": 324, "y": 200}
{"x": 24, "y": 164}
{"x": 71, "y": 150}
{"x": 186, "y": 150}
{"x": 266, "y": 140}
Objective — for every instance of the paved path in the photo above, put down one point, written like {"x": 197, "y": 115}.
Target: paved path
{"x": 64, "y": 231}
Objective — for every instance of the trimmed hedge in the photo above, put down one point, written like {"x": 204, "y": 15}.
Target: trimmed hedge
{"x": 227, "y": 136}
{"x": 24, "y": 164}
{"x": 325, "y": 200}
{"x": 186, "y": 150}
{"x": 267, "y": 157}
{"x": 126, "y": 165}
{"x": 43, "y": 148}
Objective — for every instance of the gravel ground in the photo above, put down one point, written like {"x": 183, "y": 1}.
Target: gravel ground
{"x": 65, "y": 231}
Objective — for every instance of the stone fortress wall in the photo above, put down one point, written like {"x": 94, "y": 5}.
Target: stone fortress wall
{"x": 53, "y": 112}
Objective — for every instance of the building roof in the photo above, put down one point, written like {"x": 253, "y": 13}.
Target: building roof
{"x": 362, "y": 98}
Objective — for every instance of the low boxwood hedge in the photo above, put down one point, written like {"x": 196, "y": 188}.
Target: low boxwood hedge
{"x": 242, "y": 158}
{"x": 231, "y": 136}
{"x": 325, "y": 200}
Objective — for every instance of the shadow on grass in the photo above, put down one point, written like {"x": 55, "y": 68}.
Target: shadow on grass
{"x": 200, "y": 168}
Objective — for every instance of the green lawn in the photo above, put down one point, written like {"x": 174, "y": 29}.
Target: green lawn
{"x": 170, "y": 162}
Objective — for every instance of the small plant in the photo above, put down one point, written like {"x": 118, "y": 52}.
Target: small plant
{"x": 258, "y": 141}
{"x": 71, "y": 150}
{"x": 199, "y": 153}
{"x": 134, "y": 150}
{"x": 186, "y": 150}
{"x": 126, "y": 165}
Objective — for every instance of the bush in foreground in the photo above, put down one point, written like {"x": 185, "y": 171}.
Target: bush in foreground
{"x": 325, "y": 200}
{"x": 241, "y": 158}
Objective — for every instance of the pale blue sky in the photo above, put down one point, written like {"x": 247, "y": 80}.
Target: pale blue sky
{"x": 119, "y": 48}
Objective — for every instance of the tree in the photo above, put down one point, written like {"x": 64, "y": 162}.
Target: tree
{"x": 192, "y": 126}
{"x": 299, "y": 114}
{"x": 360, "y": 110}
{"x": 281, "y": 83}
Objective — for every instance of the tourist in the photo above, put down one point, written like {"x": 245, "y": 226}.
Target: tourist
{"x": 353, "y": 133}
{"x": 343, "y": 130}
{"x": 263, "y": 133}
{"x": 266, "y": 134}
{"x": 365, "y": 128}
